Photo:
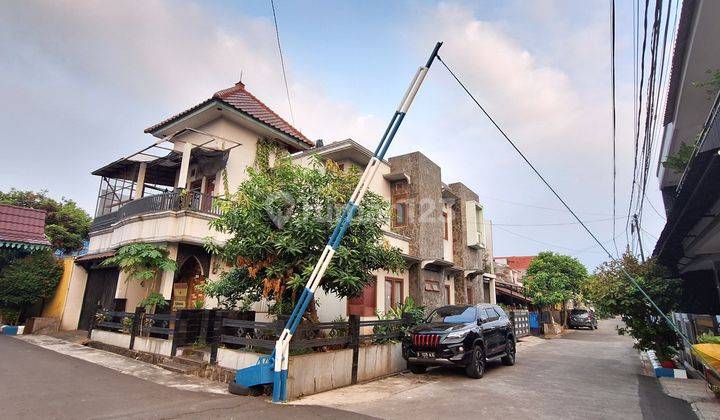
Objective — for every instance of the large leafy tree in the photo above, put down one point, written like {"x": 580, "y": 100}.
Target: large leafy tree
{"x": 553, "y": 279}
{"x": 29, "y": 280}
{"x": 66, "y": 224}
{"x": 612, "y": 293}
{"x": 280, "y": 219}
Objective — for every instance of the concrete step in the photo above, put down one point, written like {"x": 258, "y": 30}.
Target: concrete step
{"x": 178, "y": 368}
{"x": 193, "y": 352}
{"x": 192, "y": 361}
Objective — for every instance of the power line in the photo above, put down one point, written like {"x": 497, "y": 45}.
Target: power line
{"x": 539, "y": 207}
{"x": 552, "y": 224}
{"x": 566, "y": 205}
{"x": 614, "y": 124}
{"x": 545, "y": 243}
{"x": 282, "y": 61}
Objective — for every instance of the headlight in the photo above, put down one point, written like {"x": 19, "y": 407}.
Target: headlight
{"x": 458, "y": 334}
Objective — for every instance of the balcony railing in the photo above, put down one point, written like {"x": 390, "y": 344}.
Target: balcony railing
{"x": 171, "y": 201}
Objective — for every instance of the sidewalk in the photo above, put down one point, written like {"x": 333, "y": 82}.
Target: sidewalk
{"x": 695, "y": 391}
{"x": 136, "y": 368}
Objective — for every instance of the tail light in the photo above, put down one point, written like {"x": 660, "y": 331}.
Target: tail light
{"x": 425, "y": 340}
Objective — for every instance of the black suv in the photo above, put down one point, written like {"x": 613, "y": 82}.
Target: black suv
{"x": 461, "y": 335}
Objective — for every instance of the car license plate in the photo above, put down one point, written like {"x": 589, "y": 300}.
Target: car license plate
{"x": 426, "y": 354}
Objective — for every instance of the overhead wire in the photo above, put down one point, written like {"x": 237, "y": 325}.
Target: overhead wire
{"x": 282, "y": 61}
{"x": 564, "y": 203}
{"x": 614, "y": 124}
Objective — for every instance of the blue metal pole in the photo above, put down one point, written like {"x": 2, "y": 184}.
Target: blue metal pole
{"x": 351, "y": 208}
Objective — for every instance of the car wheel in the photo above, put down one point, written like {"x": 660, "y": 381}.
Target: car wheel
{"x": 476, "y": 367}
{"x": 237, "y": 389}
{"x": 509, "y": 358}
{"x": 417, "y": 369}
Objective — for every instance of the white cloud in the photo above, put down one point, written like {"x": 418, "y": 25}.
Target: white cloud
{"x": 97, "y": 73}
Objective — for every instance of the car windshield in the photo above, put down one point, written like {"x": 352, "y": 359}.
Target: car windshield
{"x": 453, "y": 314}
{"x": 579, "y": 312}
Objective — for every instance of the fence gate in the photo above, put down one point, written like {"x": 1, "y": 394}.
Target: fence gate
{"x": 521, "y": 322}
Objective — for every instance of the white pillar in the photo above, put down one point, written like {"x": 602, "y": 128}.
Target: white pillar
{"x": 140, "y": 183}
{"x": 184, "y": 165}
{"x": 493, "y": 297}
{"x": 167, "y": 277}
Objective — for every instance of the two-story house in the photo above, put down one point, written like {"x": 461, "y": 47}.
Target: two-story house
{"x": 166, "y": 193}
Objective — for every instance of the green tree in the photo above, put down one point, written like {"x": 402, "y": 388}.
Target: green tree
{"x": 144, "y": 262}
{"x": 66, "y": 224}
{"x": 553, "y": 279}
{"x": 279, "y": 221}
{"x": 612, "y": 293}
{"x": 29, "y": 280}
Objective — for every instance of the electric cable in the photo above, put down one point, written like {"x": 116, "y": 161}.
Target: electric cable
{"x": 565, "y": 204}
{"x": 282, "y": 61}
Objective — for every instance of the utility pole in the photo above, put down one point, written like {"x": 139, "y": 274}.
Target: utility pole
{"x": 637, "y": 229}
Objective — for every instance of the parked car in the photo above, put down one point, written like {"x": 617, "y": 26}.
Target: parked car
{"x": 582, "y": 318}
{"x": 461, "y": 335}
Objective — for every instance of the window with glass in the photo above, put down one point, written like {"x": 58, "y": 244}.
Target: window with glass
{"x": 445, "y": 223}
{"x": 393, "y": 292}
{"x": 399, "y": 203}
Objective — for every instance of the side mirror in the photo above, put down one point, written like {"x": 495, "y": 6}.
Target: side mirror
{"x": 479, "y": 322}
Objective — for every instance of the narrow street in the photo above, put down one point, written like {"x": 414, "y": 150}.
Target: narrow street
{"x": 584, "y": 375}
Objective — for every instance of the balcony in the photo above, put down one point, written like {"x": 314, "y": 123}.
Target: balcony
{"x": 166, "y": 202}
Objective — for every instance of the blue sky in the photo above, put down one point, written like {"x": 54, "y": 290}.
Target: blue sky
{"x": 82, "y": 80}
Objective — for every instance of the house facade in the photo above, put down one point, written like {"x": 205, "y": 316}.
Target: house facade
{"x": 689, "y": 244}
{"x": 167, "y": 193}
{"x": 510, "y": 273}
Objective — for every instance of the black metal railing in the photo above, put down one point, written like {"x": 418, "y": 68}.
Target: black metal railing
{"x": 170, "y": 201}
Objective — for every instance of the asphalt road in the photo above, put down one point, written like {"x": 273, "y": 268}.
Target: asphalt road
{"x": 586, "y": 375}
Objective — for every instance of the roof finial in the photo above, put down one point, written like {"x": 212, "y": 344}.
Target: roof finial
{"x": 241, "y": 76}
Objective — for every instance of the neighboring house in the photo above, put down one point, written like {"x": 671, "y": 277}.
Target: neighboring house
{"x": 22, "y": 228}
{"x": 166, "y": 194}
{"x": 510, "y": 272}
{"x": 689, "y": 244}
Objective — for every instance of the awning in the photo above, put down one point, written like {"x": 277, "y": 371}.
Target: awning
{"x": 94, "y": 257}
{"x": 514, "y": 295}
{"x": 435, "y": 265}
{"x": 23, "y": 245}
{"x": 163, "y": 161}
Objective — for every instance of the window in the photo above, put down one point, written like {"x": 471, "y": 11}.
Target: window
{"x": 400, "y": 213}
{"x": 500, "y": 312}
{"x": 399, "y": 203}
{"x": 475, "y": 225}
{"x": 453, "y": 315}
{"x": 364, "y": 305}
{"x": 445, "y": 223}
{"x": 393, "y": 292}
{"x": 488, "y": 314}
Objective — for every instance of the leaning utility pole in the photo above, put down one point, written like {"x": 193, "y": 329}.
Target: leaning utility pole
{"x": 636, "y": 224}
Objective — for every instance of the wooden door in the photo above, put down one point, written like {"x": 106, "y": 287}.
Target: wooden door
{"x": 99, "y": 290}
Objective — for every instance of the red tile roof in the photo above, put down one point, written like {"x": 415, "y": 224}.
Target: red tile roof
{"x": 239, "y": 98}
{"x": 21, "y": 224}
{"x": 519, "y": 263}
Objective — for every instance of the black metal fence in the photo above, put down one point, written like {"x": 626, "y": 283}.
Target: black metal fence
{"x": 169, "y": 201}
{"x": 261, "y": 336}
